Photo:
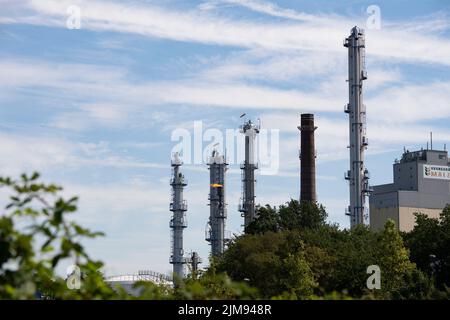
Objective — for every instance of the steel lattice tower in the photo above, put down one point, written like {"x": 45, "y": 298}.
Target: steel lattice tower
{"x": 178, "y": 222}
{"x": 247, "y": 204}
{"x": 358, "y": 175}
{"x": 215, "y": 233}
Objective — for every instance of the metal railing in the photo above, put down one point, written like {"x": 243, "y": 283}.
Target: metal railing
{"x": 178, "y": 206}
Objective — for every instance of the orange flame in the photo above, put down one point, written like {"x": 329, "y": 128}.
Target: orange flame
{"x": 217, "y": 185}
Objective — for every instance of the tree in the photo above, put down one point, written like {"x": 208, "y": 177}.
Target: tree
{"x": 301, "y": 215}
{"x": 272, "y": 262}
{"x": 429, "y": 244}
{"x": 352, "y": 251}
{"x": 292, "y": 253}
{"x": 42, "y": 216}
{"x": 294, "y": 215}
{"x": 267, "y": 220}
{"x": 392, "y": 258}
{"x": 36, "y": 236}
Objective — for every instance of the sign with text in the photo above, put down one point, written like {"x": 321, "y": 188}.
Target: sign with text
{"x": 436, "y": 172}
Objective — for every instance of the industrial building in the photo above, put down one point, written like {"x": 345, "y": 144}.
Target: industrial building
{"x": 421, "y": 184}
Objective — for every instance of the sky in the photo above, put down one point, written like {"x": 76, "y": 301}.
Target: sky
{"x": 94, "y": 103}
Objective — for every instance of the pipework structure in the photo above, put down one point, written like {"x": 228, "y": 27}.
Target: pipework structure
{"x": 215, "y": 233}
{"x": 307, "y": 158}
{"x": 194, "y": 261}
{"x": 178, "y": 222}
{"x": 247, "y": 203}
{"x": 358, "y": 175}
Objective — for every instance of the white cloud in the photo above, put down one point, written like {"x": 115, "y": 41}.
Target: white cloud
{"x": 22, "y": 153}
{"x": 332, "y": 136}
{"x": 92, "y": 115}
{"x": 410, "y": 103}
{"x": 115, "y": 99}
{"x": 275, "y": 66}
{"x": 262, "y": 7}
{"x": 323, "y": 33}
{"x": 71, "y": 81}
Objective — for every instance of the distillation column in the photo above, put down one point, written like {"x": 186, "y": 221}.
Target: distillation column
{"x": 215, "y": 233}
{"x": 358, "y": 176}
{"x": 195, "y": 260}
{"x": 178, "y": 222}
{"x": 307, "y": 158}
{"x": 247, "y": 205}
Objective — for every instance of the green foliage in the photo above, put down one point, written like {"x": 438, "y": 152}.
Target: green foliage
{"x": 353, "y": 252}
{"x": 295, "y": 245}
{"x": 431, "y": 237}
{"x": 392, "y": 258}
{"x": 273, "y": 262}
{"x": 29, "y": 257}
{"x": 211, "y": 286}
{"x": 36, "y": 237}
{"x": 268, "y": 220}
{"x": 416, "y": 285}
{"x": 287, "y": 253}
{"x": 301, "y": 215}
{"x": 293, "y": 215}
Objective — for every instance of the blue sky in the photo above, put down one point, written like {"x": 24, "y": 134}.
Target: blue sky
{"x": 94, "y": 109}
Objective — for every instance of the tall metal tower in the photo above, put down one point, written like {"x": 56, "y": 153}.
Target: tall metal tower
{"x": 307, "y": 158}
{"x": 178, "y": 206}
{"x": 215, "y": 233}
{"x": 358, "y": 175}
{"x": 247, "y": 204}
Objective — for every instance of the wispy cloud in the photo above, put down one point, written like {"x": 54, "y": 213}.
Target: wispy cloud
{"x": 23, "y": 153}
{"x": 324, "y": 33}
{"x": 264, "y": 7}
{"x": 115, "y": 97}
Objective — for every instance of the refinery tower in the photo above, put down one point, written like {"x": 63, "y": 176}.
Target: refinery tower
{"x": 215, "y": 232}
{"x": 247, "y": 203}
{"x": 178, "y": 222}
{"x": 358, "y": 175}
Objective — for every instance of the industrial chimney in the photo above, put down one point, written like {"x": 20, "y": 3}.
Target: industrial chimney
{"x": 178, "y": 222}
{"x": 307, "y": 158}
{"x": 247, "y": 204}
{"x": 358, "y": 175}
{"x": 215, "y": 233}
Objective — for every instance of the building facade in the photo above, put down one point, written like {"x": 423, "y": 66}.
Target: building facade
{"x": 421, "y": 184}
